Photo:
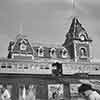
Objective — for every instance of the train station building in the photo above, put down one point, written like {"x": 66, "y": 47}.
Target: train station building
{"x": 35, "y": 71}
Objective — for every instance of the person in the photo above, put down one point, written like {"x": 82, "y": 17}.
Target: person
{"x": 21, "y": 93}
{"x": 31, "y": 92}
{"x": 6, "y": 95}
{"x": 88, "y": 92}
{"x": 54, "y": 96}
{"x": 0, "y": 93}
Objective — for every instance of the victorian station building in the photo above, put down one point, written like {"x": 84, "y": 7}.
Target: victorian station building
{"x": 35, "y": 71}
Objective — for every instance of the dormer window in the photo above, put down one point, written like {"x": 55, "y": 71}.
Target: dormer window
{"x": 64, "y": 53}
{"x": 41, "y": 51}
{"x": 53, "y": 52}
{"x": 23, "y": 45}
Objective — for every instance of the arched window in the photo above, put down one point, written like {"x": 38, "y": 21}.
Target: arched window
{"x": 53, "y": 52}
{"x": 41, "y": 51}
{"x": 64, "y": 53}
{"x": 83, "y": 52}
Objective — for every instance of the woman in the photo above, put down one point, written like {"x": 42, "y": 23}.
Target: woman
{"x": 87, "y": 91}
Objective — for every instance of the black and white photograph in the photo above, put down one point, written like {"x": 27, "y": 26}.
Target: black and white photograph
{"x": 49, "y": 50}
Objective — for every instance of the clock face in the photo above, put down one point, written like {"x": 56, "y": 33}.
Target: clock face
{"x": 23, "y": 46}
{"x": 82, "y": 37}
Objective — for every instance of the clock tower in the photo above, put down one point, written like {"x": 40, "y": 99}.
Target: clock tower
{"x": 77, "y": 42}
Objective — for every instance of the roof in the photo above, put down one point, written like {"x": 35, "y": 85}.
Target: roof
{"x": 46, "y": 45}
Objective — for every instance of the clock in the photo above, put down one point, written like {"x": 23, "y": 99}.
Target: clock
{"x": 82, "y": 37}
{"x": 23, "y": 47}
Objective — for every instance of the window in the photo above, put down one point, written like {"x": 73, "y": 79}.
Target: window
{"x": 3, "y": 65}
{"x": 83, "y": 52}
{"x": 53, "y": 52}
{"x": 26, "y": 66}
{"x": 64, "y": 53}
{"x": 20, "y": 66}
{"x": 41, "y": 52}
{"x": 9, "y": 65}
{"x": 32, "y": 66}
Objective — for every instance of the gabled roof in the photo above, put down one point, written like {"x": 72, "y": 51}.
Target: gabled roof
{"x": 75, "y": 29}
{"x": 20, "y": 43}
{"x": 23, "y": 45}
{"x": 75, "y": 26}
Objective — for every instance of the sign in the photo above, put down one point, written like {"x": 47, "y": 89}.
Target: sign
{"x": 55, "y": 92}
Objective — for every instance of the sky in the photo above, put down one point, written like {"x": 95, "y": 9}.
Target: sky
{"x": 47, "y": 21}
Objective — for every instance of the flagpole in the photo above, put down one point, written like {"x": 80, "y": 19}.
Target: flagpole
{"x": 21, "y": 29}
{"x": 73, "y": 8}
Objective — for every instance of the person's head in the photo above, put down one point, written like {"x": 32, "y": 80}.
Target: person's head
{"x": 54, "y": 95}
{"x": 85, "y": 89}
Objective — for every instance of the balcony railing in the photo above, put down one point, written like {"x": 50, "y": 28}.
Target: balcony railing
{"x": 68, "y": 68}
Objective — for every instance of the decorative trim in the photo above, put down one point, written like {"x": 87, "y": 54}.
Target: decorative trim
{"x": 22, "y": 55}
{"x": 75, "y": 51}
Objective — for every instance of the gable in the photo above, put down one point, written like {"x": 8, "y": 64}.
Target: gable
{"x": 22, "y": 46}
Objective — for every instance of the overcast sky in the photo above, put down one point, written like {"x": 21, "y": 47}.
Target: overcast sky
{"x": 47, "y": 21}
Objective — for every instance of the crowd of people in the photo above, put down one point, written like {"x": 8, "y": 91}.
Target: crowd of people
{"x": 85, "y": 91}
